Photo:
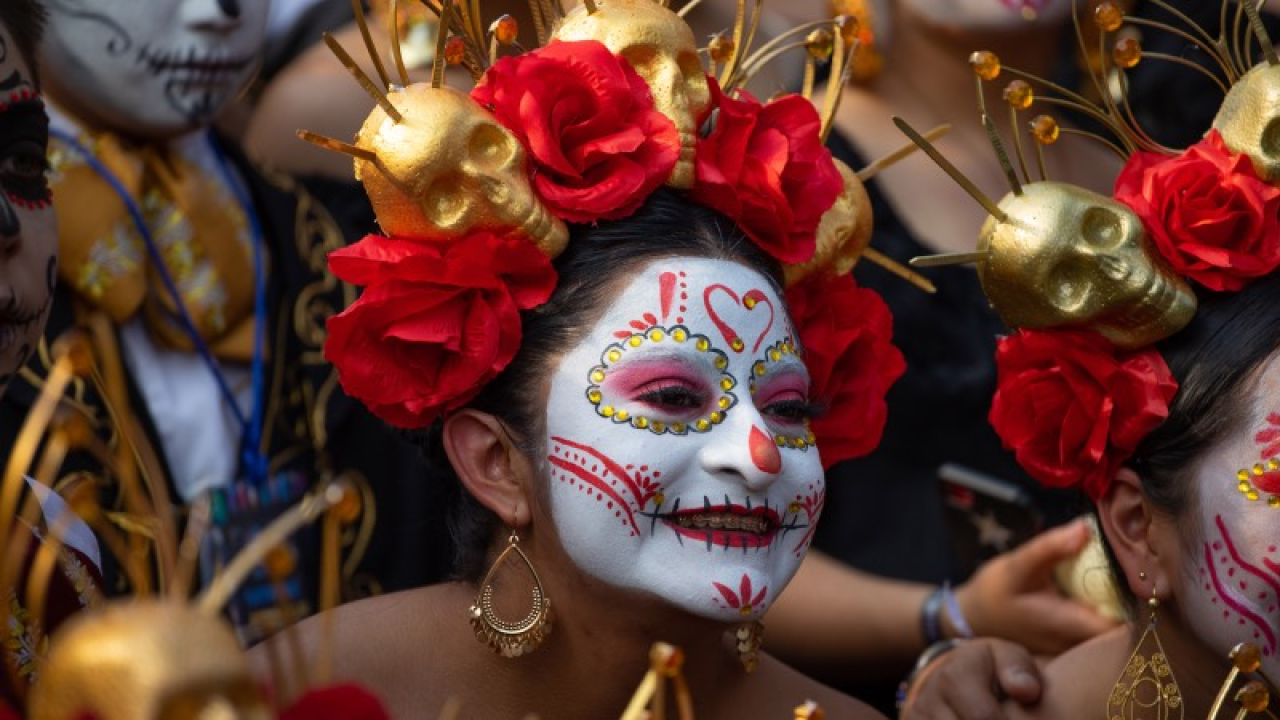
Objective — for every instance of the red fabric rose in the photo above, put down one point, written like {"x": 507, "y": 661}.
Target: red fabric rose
{"x": 1073, "y": 408}
{"x": 845, "y": 332}
{"x": 336, "y": 702}
{"x": 597, "y": 145}
{"x": 1207, "y": 211}
{"x": 436, "y": 322}
{"x": 765, "y": 167}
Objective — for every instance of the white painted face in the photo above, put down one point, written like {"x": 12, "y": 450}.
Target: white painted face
{"x": 986, "y": 15}
{"x": 28, "y": 235}
{"x": 153, "y": 69}
{"x": 681, "y": 463}
{"x": 1232, "y": 582}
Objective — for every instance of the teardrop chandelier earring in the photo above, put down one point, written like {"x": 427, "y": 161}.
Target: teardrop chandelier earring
{"x": 1147, "y": 684}
{"x": 508, "y": 638}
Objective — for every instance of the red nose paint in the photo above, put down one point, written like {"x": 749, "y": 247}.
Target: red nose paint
{"x": 764, "y": 452}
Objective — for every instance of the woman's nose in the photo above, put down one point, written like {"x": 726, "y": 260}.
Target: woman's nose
{"x": 741, "y": 449}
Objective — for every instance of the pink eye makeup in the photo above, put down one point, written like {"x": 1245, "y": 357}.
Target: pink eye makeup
{"x": 663, "y": 380}
{"x": 1263, "y": 477}
{"x": 779, "y": 386}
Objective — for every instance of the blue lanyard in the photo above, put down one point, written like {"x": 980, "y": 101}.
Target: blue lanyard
{"x": 251, "y": 457}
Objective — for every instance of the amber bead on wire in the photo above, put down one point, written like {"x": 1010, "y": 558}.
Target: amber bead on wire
{"x": 505, "y": 29}
{"x": 455, "y": 50}
{"x": 721, "y": 48}
{"x": 985, "y": 64}
{"x": 1108, "y": 16}
{"x": 1246, "y": 657}
{"x": 1254, "y": 696}
{"x": 848, "y": 26}
{"x": 1045, "y": 129}
{"x": 820, "y": 44}
{"x": 1127, "y": 52}
{"x": 1019, "y": 94}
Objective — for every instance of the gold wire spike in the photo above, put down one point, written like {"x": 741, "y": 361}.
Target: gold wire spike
{"x": 875, "y": 168}
{"x": 666, "y": 664}
{"x": 897, "y": 268}
{"x": 963, "y": 258}
{"x": 1260, "y": 31}
{"x": 358, "y": 9}
{"x": 329, "y": 143}
{"x": 992, "y": 209}
{"x": 378, "y": 96}
{"x": 393, "y": 30}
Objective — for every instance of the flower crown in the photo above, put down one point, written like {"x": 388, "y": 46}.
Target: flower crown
{"x": 473, "y": 192}
{"x": 1089, "y": 283}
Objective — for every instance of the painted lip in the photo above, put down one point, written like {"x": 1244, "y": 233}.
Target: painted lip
{"x": 190, "y": 61}
{"x": 726, "y": 525}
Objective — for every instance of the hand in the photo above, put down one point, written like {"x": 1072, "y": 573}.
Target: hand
{"x": 971, "y": 681}
{"x": 1013, "y": 596}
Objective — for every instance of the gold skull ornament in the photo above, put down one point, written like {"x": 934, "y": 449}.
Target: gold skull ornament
{"x": 1066, "y": 257}
{"x": 843, "y": 233}
{"x": 448, "y": 167}
{"x": 1249, "y": 119}
{"x": 146, "y": 660}
{"x": 660, "y": 46}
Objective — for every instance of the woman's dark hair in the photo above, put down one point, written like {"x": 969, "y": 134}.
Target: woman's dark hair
{"x": 597, "y": 264}
{"x": 1215, "y": 360}
{"x": 25, "y": 21}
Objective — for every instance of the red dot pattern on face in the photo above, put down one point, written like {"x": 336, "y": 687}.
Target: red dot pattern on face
{"x": 764, "y": 451}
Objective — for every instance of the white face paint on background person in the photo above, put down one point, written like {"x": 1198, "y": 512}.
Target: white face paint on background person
{"x": 680, "y": 460}
{"x": 1230, "y": 587}
{"x": 28, "y": 235}
{"x": 980, "y": 15}
{"x": 151, "y": 69}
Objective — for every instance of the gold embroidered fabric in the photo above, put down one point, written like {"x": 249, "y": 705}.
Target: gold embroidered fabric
{"x": 200, "y": 230}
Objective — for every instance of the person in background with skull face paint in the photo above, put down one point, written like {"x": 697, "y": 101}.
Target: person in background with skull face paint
{"x": 28, "y": 273}
{"x": 201, "y": 278}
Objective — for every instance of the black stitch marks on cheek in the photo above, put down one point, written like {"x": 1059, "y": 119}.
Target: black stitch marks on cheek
{"x": 51, "y": 274}
{"x": 230, "y": 8}
{"x": 118, "y": 41}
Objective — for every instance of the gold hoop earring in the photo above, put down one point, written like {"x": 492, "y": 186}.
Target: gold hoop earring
{"x": 511, "y": 639}
{"x": 749, "y": 637}
{"x": 1147, "y": 682}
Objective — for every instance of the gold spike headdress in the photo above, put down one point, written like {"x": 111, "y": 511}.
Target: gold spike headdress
{"x": 473, "y": 192}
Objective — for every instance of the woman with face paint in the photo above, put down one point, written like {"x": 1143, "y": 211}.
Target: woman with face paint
{"x": 625, "y": 335}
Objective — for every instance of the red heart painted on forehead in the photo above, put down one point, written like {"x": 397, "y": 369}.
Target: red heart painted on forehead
{"x": 750, "y": 300}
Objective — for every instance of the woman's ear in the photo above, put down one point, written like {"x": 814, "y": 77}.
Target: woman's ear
{"x": 489, "y": 464}
{"x": 1128, "y": 522}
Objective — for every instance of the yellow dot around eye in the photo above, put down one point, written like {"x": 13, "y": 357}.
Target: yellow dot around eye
{"x": 786, "y": 348}
{"x": 679, "y": 428}
{"x": 775, "y": 355}
{"x": 615, "y": 355}
{"x": 621, "y": 415}
{"x": 1274, "y": 501}
{"x": 727, "y": 383}
{"x": 1242, "y": 475}
{"x": 737, "y": 344}
{"x": 725, "y": 403}
{"x": 758, "y": 368}
{"x": 721, "y": 362}
{"x": 606, "y": 410}
{"x": 597, "y": 376}
{"x": 635, "y": 340}
{"x": 702, "y": 344}
{"x": 716, "y": 417}
{"x": 811, "y": 438}
{"x": 749, "y": 303}
{"x": 1258, "y": 469}
{"x": 658, "y": 426}
{"x": 1244, "y": 487}
{"x": 793, "y": 508}
{"x": 1273, "y": 464}
{"x": 800, "y": 443}
{"x": 679, "y": 335}
{"x": 640, "y": 423}
{"x": 779, "y": 440}
{"x": 703, "y": 425}
{"x": 594, "y": 397}
{"x": 1252, "y": 495}
{"x": 656, "y": 335}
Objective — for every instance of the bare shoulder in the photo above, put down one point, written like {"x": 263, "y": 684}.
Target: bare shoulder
{"x": 377, "y": 642}
{"x": 1078, "y": 682}
{"x": 776, "y": 690}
